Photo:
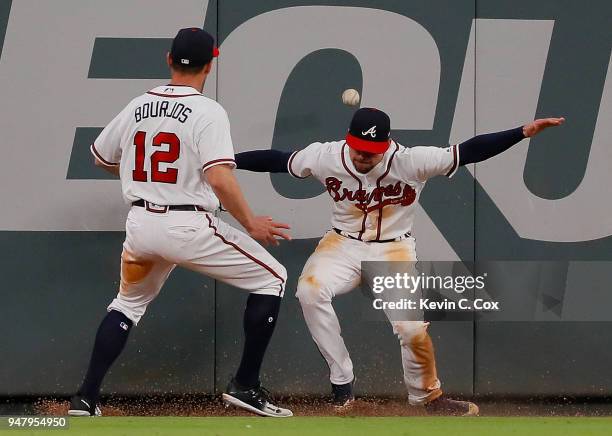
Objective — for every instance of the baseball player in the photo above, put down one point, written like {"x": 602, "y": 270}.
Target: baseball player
{"x": 173, "y": 151}
{"x": 375, "y": 184}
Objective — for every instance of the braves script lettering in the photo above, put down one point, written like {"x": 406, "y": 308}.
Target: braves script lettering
{"x": 373, "y": 200}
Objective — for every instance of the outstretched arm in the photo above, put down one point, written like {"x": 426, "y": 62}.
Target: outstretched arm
{"x": 263, "y": 161}
{"x": 483, "y": 147}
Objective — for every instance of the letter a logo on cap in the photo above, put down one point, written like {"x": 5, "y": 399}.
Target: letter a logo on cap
{"x": 371, "y": 131}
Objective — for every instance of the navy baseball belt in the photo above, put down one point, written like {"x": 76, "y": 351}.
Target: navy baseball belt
{"x": 346, "y": 235}
{"x": 156, "y": 208}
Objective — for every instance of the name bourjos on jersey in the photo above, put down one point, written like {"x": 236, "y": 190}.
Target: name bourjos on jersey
{"x": 163, "y": 140}
{"x": 381, "y": 204}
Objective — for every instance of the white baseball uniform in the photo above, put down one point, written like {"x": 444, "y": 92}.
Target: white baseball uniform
{"x": 377, "y": 206}
{"x": 163, "y": 141}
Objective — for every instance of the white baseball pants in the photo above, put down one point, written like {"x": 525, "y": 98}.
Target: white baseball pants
{"x": 335, "y": 269}
{"x": 157, "y": 242}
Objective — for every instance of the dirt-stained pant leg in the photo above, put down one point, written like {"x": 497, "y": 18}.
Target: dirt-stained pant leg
{"x": 418, "y": 361}
{"x": 143, "y": 272}
{"x": 418, "y": 358}
{"x": 156, "y": 243}
{"x": 141, "y": 280}
{"x": 333, "y": 269}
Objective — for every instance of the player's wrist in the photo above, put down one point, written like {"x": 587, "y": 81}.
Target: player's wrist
{"x": 249, "y": 224}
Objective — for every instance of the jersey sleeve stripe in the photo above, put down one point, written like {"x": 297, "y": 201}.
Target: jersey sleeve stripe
{"x": 290, "y": 169}
{"x": 212, "y": 163}
{"x": 100, "y": 158}
{"x": 455, "y": 166}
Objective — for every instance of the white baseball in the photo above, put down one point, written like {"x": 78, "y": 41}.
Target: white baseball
{"x": 350, "y": 97}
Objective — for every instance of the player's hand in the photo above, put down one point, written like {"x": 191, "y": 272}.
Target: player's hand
{"x": 537, "y": 126}
{"x": 266, "y": 230}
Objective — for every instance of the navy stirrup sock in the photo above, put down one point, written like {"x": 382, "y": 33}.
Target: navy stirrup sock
{"x": 259, "y": 321}
{"x": 110, "y": 341}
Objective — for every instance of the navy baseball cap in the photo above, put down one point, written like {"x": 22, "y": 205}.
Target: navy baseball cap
{"x": 369, "y": 131}
{"x": 193, "y": 47}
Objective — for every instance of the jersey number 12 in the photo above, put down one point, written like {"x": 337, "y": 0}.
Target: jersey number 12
{"x": 160, "y": 156}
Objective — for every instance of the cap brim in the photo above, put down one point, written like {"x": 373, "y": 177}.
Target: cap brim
{"x": 377, "y": 147}
{"x": 215, "y": 52}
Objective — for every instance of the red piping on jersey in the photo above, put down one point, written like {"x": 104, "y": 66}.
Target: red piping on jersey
{"x": 455, "y": 162}
{"x": 365, "y": 212}
{"x": 217, "y": 161}
{"x": 250, "y": 256}
{"x": 380, "y": 211}
{"x": 100, "y": 158}
{"x": 172, "y": 96}
{"x": 289, "y": 166}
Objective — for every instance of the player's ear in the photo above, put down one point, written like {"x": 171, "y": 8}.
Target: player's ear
{"x": 168, "y": 59}
{"x": 208, "y": 67}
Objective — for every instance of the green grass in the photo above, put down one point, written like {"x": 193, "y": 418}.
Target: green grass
{"x": 114, "y": 426}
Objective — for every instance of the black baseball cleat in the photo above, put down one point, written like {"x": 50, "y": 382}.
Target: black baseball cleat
{"x": 256, "y": 400}
{"x": 442, "y": 406}
{"x": 80, "y": 406}
{"x": 343, "y": 395}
